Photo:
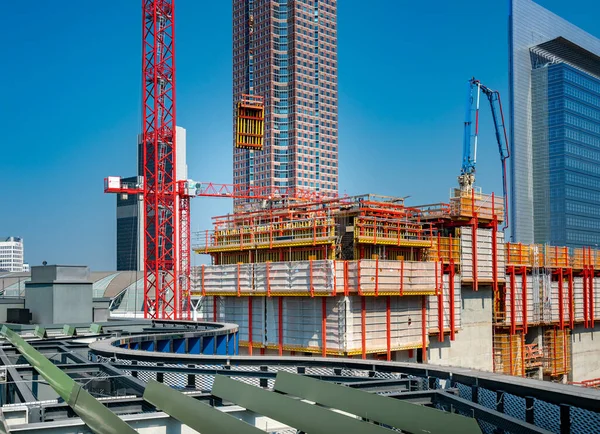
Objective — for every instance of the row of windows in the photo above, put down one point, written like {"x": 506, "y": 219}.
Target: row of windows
{"x": 582, "y": 180}
{"x": 582, "y": 123}
{"x": 582, "y": 194}
{"x": 582, "y": 137}
{"x": 582, "y": 95}
{"x": 582, "y": 152}
{"x": 582, "y": 208}
{"x": 583, "y": 81}
{"x": 582, "y": 166}
{"x": 583, "y": 238}
{"x": 583, "y": 223}
{"x": 582, "y": 109}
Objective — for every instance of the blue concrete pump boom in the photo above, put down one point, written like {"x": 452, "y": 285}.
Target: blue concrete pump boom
{"x": 466, "y": 179}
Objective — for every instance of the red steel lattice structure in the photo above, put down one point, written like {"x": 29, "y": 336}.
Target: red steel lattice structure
{"x": 160, "y": 212}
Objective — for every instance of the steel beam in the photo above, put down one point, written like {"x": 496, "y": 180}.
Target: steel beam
{"x": 290, "y": 411}
{"x": 95, "y": 415}
{"x": 405, "y": 416}
{"x": 24, "y": 393}
{"x": 193, "y": 413}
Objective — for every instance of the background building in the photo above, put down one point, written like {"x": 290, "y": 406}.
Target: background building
{"x": 130, "y": 228}
{"x": 555, "y": 129}
{"x": 11, "y": 254}
{"x": 286, "y": 51}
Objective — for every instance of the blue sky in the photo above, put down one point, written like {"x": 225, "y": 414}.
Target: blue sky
{"x": 70, "y": 106}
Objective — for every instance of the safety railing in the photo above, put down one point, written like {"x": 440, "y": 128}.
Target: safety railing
{"x": 281, "y": 234}
{"x": 391, "y": 232}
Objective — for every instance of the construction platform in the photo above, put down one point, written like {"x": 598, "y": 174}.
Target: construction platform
{"x": 370, "y": 276}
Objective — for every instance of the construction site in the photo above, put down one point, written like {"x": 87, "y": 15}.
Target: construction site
{"x": 369, "y": 277}
{"x": 308, "y": 273}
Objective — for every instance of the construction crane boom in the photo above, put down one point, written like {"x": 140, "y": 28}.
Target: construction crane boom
{"x": 466, "y": 180}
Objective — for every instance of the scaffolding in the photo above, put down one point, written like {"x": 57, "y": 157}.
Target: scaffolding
{"x": 557, "y": 352}
{"x": 509, "y": 352}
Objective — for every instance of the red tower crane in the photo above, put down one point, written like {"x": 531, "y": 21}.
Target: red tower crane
{"x": 166, "y": 200}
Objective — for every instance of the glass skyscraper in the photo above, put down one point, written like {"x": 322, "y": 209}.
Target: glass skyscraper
{"x": 555, "y": 129}
{"x": 286, "y": 51}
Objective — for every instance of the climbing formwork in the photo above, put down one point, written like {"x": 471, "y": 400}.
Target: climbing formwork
{"x": 557, "y": 352}
{"x": 351, "y": 276}
{"x": 509, "y": 352}
{"x": 369, "y": 275}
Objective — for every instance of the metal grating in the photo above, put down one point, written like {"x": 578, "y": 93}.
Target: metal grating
{"x": 546, "y": 415}
{"x": 173, "y": 379}
{"x": 146, "y": 375}
{"x": 487, "y": 398}
{"x": 464, "y": 391}
{"x": 204, "y": 383}
{"x": 319, "y": 371}
{"x": 584, "y": 421}
{"x": 514, "y": 406}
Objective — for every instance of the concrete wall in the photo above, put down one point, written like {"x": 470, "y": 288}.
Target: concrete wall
{"x": 472, "y": 347}
{"x": 59, "y": 303}
{"x": 39, "y": 300}
{"x": 72, "y": 303}
{"x": 586, "y": 353}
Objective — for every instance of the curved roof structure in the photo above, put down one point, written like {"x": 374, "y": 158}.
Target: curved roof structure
{"x": 108, "y": 284}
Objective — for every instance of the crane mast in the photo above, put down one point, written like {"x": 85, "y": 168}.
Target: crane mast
{"x": 466, "y": 179}
{"x": 160, "y": 190}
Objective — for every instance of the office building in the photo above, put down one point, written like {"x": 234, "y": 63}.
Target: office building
{"x": 11, "y": 254}
{"x": 130, "y": 227}
{"x": 286, "y": 51}
{"x": 555, "y": 129}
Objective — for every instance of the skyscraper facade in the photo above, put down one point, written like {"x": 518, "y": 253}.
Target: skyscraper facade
{"x": 555, "y": 129}
{"x": 286, "y": 51}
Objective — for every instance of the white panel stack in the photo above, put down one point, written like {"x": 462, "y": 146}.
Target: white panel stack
{"x": 432, "y": 306}
{"x": 484, "y": 254}
{"x": 294, "y": 277}
{"x": 225, "y": 279}
{"x": 417, "y": 277}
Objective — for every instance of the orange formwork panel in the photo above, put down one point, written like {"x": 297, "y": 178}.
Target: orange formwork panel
{"x": 557, "y": 352}
{"x": 250, "y": 122}
{"x": 473, "y": 203}
{"x": 509, "y": 352}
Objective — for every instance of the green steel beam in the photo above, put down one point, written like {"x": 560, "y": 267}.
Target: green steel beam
{"x": 405, "y": 416}
{"x": 290, "y": 411}
{"x": 195, "y": 414}
{"x": 95, "y": 415}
